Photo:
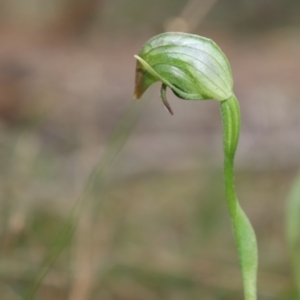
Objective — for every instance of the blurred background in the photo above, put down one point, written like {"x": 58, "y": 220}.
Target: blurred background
{"x": 157, "y": 225}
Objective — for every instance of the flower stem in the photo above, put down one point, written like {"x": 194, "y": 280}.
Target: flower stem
{"x": 243, "y": 231}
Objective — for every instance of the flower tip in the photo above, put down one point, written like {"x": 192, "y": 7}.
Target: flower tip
{"x": 139, "y": 84}
{"x": 138, "y": 93}
{"x": 135, "y": 96}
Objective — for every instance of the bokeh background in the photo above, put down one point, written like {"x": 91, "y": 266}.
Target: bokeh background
{"x": 155, "y": 225}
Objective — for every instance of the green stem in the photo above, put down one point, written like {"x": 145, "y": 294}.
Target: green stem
{"x": 243, "y": 231}
{"x": 92, "y": 191}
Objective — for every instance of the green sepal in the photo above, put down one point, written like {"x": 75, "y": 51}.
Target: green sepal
{"x": 194, "y": 67}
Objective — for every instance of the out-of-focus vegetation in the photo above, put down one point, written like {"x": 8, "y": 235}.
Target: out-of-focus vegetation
{"x": 162, "y": 231}
{"x": 293, "y": 231}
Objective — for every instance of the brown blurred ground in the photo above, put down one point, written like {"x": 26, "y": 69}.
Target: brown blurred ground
{"x": 67, "y": 75}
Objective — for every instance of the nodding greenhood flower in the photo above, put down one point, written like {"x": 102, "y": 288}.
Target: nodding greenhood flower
{"x": 193, "y": 67}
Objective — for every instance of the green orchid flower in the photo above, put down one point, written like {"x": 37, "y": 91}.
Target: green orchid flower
{"x": 195, "y": 68}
